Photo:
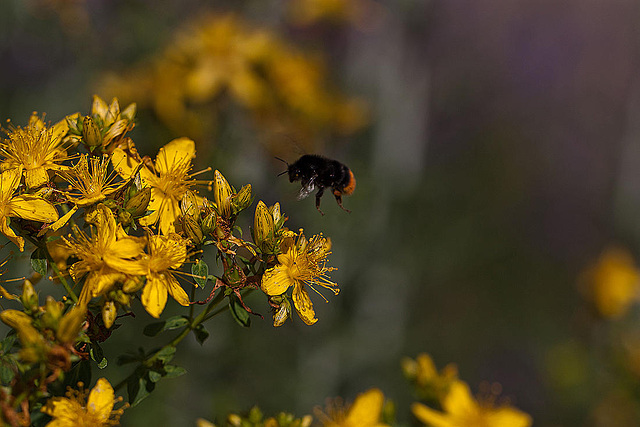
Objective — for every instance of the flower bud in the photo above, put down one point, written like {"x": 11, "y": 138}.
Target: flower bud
{"x": 133, "y": 284}
{"x": 137, "y": 205}
{"x": 263, "y": 230}
{"x": 242, "y": 199}
{"x": 29, "y": 298}
{"x": 22, "y": 323}
{"x": 222, "y": 194}
{"x": 282, "y": 313}
{"x": 109, "y": 313}
{"x": 99, "y": 108}
{"x": 129, "y": 113}
{"x": 52, "y": 313}
{"x": 71, "y": 324}
{"x": 209, "y": 223}
{"x": 192, "y": 229}
{"x": 189, "y": 204}
{"x": 122, "y": 298}
{"x": 90, "y": 133}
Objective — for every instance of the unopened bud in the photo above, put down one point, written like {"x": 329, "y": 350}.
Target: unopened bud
{"x": 222, "y": 194}
{"x": 129, "y": 113}
{"x": 137, "y": 205}
{"x": 29, "y": 298}
{"x": 91, "y": 133}
{"x": 71, "y": 324}
{"x": 109, "y": 313}
{"x": 263, "y": 230}
{"x": 242, "y": 199}
{"x": 189, "y": 204}
{"x": 192, "y": 229}
{"x": 123, "y": 298}
{"x": 52, "y": 312}
{"x": 133, "y": 284}
{"x": 282, "y": 313}
{"x": 209, "y": 223}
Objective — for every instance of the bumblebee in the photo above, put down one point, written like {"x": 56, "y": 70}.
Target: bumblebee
{"x": 318, "y": 172}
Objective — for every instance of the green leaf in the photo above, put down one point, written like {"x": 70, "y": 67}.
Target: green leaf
{"x": 138, "y": 388}
{"x": 155, "y": 376}
{"x": 153, "y": 329}
{"x": 7, "y": 343}
{"x": 200, "y": 270}
{"x": 39, "y": 261}
{"x": 96, "y": 354}
{"x": 6, "y": 373}
{"x": 166, "y": 354}
{"x": 201, "y": 333}
{"x": 173, "y": 371}
{"x": 175, "y": 322}
{"x": 238, "y": 312}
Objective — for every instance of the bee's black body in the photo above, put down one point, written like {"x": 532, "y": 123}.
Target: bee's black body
{"x": 315, "y": 171}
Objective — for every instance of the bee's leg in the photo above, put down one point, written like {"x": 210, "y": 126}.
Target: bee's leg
{"x": 339, "y": 200}
{"x": 318, "y": 197}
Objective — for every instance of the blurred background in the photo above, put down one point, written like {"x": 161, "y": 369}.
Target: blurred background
{"x": 496, "y": 219}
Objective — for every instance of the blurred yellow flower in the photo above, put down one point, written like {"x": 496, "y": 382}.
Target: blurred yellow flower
{"x": 429, "y": 383}
{"x": 35, "y": 149}
{"x": 169, "y": 180}
{"x": 24, "y": 206}
{"x": 103, "y": 256}
{"x": 78, "y": 410}
{"x": 614, "y": 282}
{"x": 284, "y": 89}
{"x": 460, "y": 409}
{"x": 364, "y": 412}
{"x": 166, "y": 253}
{"x": 303, "y": 262}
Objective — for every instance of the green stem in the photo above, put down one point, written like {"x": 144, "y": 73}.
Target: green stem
{"x": 202, "y": 317}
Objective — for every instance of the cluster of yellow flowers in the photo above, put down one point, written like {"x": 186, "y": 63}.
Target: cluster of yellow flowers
{"x": 221, "y": 57}
{"x": 124, "y": 226}
{"x": 371, "y": 409}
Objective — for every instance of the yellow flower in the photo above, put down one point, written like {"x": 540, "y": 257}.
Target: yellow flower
{"x": 91, "y": 184}
{"x": 429, "y": 383}
{"x": 35, "y": 149}
{"x": 76, "y": 410}
{"x": 462, "y": 410}
{"x": 364, "y": 412}
{"x": 103, "y": 255}
{"x": 301, "y": 263}
{"x": 25, "y": 206}
{"x": 166, "y": 253}
{"x": 614, "y": 282}
{"x": 169, "y": 181}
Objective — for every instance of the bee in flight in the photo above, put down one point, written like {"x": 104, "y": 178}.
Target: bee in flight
{"x": 318, "y": 172}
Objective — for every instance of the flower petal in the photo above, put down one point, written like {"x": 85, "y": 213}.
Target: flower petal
{"x": 176, "y": 291}
{"x": 101, "y": 400}
{"x": 303, "y": 304}
{"x": 9, "y": 181}
{"x": 178, "y": 151}
{"x": 154, "y": 295}
{"x": 36, "y": 177}
{"x": 431, "y": 417}
{"x": 366, "y": 409}
{"x": 32, "y": 208}
{"x": 276, "y": 280}
{"x": 11, "y": 235}
{"x": 459, "y": 400}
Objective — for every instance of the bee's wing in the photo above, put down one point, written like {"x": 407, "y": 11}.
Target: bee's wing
{"x": 307, "y": 188}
